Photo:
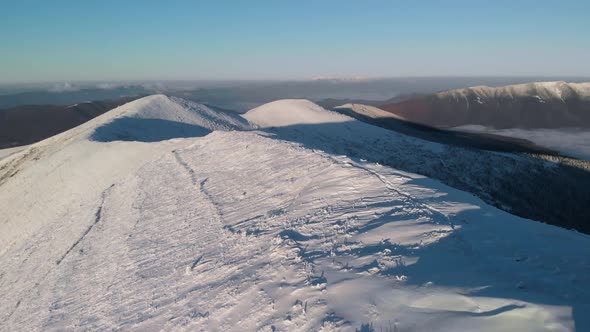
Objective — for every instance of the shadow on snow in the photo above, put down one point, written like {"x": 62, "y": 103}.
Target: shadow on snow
{"x": 146, "y": 130}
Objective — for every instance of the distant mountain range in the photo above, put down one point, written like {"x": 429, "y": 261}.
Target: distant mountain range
{"x": 531, "y": 105}
{"x": 66, "y": 97}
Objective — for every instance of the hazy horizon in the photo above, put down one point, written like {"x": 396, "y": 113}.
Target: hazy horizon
{"x": 304, "y": 79}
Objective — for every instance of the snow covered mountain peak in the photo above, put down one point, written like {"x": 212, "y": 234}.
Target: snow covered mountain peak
{"x": 148, "y": 119}
{"x": 89, "y": 164}
{"x": 159, "y": 117}
{"x": 289, "y": 112}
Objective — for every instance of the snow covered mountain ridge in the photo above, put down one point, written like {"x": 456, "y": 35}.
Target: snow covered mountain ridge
{"x": 165, "y": 214}
{"x": 530, "y": 105}
{"x": 544, "y": 90}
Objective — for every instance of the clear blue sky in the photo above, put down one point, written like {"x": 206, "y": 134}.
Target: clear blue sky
{"x": 279, "y": 39}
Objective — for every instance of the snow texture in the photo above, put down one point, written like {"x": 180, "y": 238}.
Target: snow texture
{"x": 116, "y": 226}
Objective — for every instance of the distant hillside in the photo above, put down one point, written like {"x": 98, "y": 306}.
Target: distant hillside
{"x": 484, "y": 141}
{"x": 28, "y": 124}
{"x": 330, "y": 103}
{"x": 531, "y": 105}
{"x": 69, "y": 97}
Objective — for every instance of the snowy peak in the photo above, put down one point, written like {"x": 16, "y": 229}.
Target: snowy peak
{"x": 149, "y": 119}
{"x": 288, "y": 112}
{"x": 159, "y": 117}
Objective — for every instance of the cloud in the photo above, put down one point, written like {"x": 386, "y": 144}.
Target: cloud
{"x": 63, "y": 87}
{"x": 573, "y": 142}
{"x": 106, "y": 86}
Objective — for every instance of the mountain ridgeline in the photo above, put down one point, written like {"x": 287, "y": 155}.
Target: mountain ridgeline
{"x": 27, "y": 124}
{"x": 531, "y": 105}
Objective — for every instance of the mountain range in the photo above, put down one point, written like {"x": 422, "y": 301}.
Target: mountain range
{"x": 26, "y": 124}
{"x": 531, "y": 105}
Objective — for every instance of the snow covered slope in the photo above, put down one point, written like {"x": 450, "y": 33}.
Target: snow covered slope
{"x": 518, "y": 183}
{"x": 367, "y": 111}
{"x": 7, "y": 152}
{"x": 490, "y": 142}
{"x": 531, "y": 105}
{"x": 241, "y": 231}
{"x": 72, "y": 169}
{"x": 542, "y": 90}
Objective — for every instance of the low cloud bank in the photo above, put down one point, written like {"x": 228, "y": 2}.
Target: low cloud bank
{"x": 574, "y": 142}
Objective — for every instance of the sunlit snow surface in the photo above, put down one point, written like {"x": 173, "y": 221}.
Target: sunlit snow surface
{"x": 7, "y": 152}
{"x": 237, "y": 230}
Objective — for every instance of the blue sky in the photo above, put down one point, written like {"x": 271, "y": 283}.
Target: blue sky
{"x": 145, "y": 40}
